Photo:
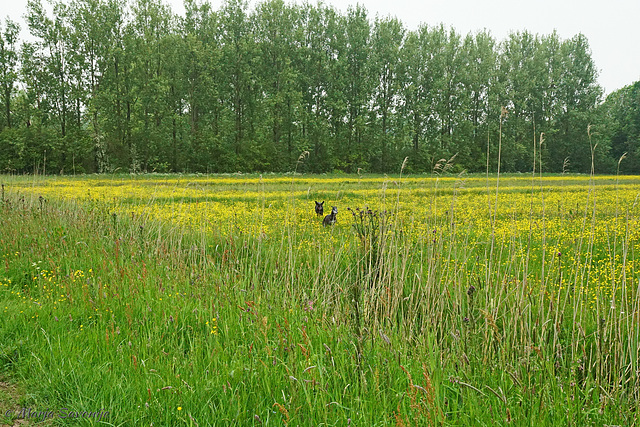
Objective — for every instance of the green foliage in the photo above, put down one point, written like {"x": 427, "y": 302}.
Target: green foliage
{"x": 240, "y": 89}
{"x": 8, "y": 68}
{"x": 621, "y": 113}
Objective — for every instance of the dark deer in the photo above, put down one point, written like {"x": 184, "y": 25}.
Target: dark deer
{"x": 320, "y": 208}
{"x": 331, "y": 218}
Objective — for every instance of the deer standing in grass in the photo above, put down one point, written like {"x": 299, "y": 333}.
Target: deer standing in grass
{"x": 331, "y": 218}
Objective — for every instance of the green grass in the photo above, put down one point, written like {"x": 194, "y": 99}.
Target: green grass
{"x": 162, "y": 324}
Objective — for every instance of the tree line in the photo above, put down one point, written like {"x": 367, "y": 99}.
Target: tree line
{"x": 116, "y": 85}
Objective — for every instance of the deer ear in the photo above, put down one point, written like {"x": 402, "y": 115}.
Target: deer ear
{"x": 322, "y": 202}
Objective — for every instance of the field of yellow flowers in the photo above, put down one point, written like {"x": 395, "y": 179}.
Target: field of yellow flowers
{"x": 586, "y": 223}
{"x": 216, "y": 300}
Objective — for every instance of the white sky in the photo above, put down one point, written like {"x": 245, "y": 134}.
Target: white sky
{"x": 612, "y": 26}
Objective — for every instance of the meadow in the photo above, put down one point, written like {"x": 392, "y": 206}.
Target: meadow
{"x": 222, "y": 300}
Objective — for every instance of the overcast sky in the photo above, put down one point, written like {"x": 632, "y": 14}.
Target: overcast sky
{"x": 611, "y": 26}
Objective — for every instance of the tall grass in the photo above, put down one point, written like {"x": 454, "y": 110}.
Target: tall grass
{"x": 406, "y": 315}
